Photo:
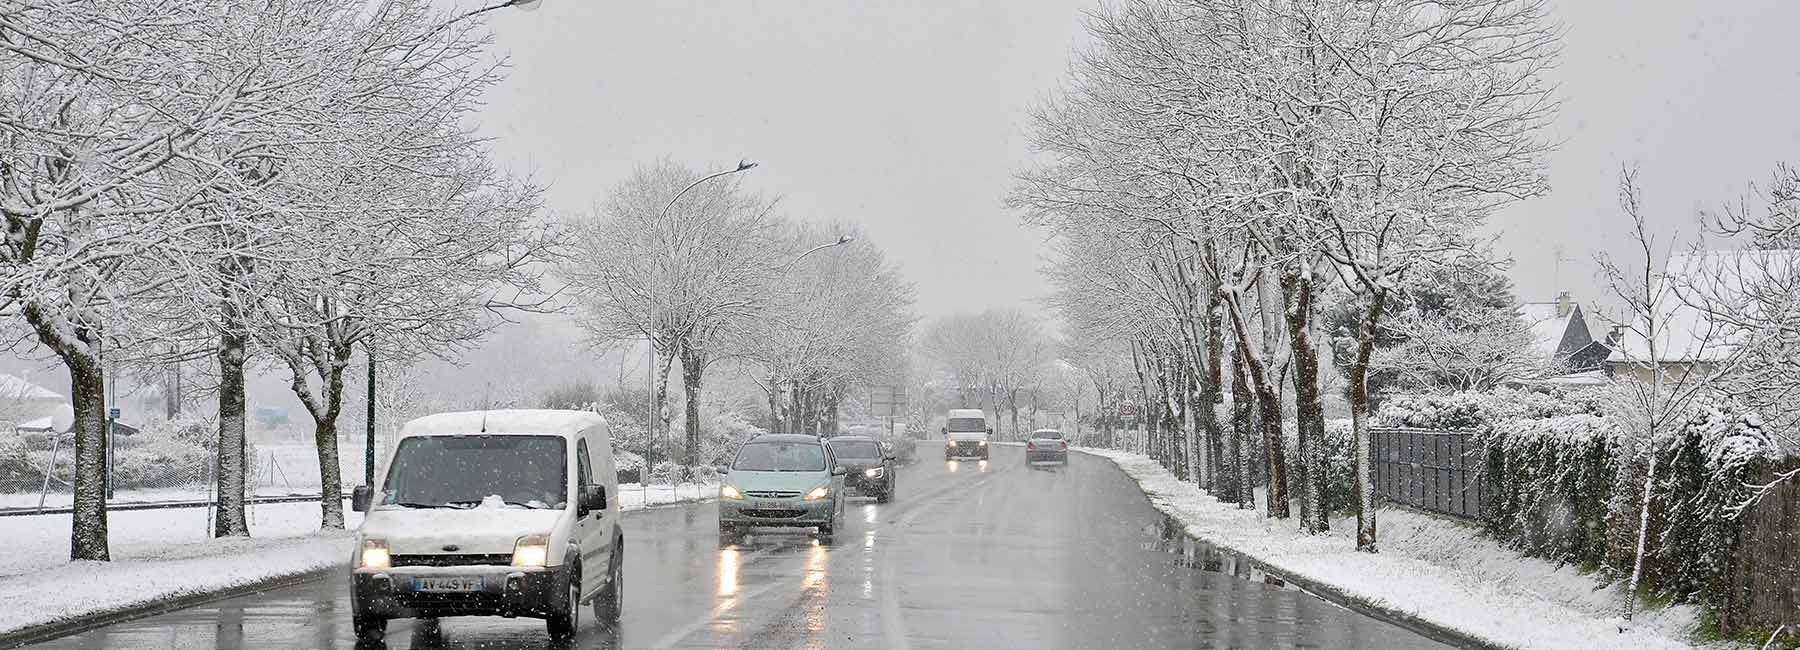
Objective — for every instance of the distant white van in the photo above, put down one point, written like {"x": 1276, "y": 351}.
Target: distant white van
{"x": 966, "y": 433}
{"x": 491, "y": 513}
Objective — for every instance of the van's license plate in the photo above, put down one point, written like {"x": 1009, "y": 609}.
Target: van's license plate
{"x": 448, "y": 584}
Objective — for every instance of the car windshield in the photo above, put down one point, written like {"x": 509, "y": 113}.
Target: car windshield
{"x": 463, "y": 471}
{"x": 780, "y": 457}
{"x": 1046, "y": 435}
{"x": 967, "y": 425}
{"x": 856, "y": 449}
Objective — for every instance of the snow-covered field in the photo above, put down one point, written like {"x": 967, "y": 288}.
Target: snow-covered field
{"x": 1432, "y": 569}
{"x": 163, "y": 554}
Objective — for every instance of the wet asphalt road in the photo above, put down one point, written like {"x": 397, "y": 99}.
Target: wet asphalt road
{"x": 969, "y": 555}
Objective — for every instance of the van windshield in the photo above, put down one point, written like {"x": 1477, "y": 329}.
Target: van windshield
{"x": 780, "y": 457}
{"x": 463, "y": 471}
{"x": 967, "y": 425}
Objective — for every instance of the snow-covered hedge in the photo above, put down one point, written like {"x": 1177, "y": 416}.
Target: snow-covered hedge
{"x": 1570, "y": 486}
{"x": 1474, "y": 411}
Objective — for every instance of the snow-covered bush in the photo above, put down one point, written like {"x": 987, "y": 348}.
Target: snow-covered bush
{"x": 1722, "y": 446}
{"x": 155, "y": 460}
{"x": 666, "y": 473}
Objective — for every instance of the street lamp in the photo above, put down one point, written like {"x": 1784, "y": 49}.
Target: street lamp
{"x": 650, "y": 293}
{"x": 368, "y": 344}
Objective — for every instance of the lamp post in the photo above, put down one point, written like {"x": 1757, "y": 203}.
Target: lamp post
{"x": 656, "y": 417}
{"x": 368, "y": 344}
{"x": 842, "y": 239}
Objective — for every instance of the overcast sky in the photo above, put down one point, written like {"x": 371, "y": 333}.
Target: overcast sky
{"x": 908, "y": 117}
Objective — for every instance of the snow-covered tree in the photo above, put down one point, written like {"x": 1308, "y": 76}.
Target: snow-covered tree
{"x": 681, "y": 270}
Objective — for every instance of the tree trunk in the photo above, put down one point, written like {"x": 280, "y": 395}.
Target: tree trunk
{"x": 693, "y": 366}
{"x": 87, "y": 397}
{"x": 1242, "y": 411}
{"x": 1214, "y": 395}
{"x": 1314, "y": 475}
{"x": 774, "y": 405}
{"x": 324, "y": 409}
{"x": 659, "y": 433}
{"x": 229, "y": 519}
{"x": 1359, "y": 416}
{"x": 172, "y": 392}
{"x": 1268, "y": 402}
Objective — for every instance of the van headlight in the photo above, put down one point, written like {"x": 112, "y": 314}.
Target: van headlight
{"x": 984, "y": 443}
{"x": 728, "y": 492}
{"x": 374, "y": 555}
{"x": 818, "y": 493}
{"x": 874, "y": 472}
{"x": 531, "y": 550}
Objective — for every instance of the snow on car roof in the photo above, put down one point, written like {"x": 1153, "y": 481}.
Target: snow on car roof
{"x": 507, "y": 421}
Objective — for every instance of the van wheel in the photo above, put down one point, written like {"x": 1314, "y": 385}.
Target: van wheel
{"x": 565, "y": 619}
{"x": 369, "y": 629}
{"x": 610, "y": 605}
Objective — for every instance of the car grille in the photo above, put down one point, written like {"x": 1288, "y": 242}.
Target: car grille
{"x": 453, "y": 559}
{"x": 772, "y": 494}
{"x": 773, "y": 513}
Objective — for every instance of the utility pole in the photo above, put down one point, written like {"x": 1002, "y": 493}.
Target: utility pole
{"x": 369, "y": 426}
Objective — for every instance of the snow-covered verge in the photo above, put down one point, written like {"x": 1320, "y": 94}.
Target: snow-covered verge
{"x": 1430, "y": 572}
{"x": 163, "y": 557}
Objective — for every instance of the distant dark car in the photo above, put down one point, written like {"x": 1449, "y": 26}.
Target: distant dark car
{"x": 869, "y": 469}
{"x": 1047, "y": 446}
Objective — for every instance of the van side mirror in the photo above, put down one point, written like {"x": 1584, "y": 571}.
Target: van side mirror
{"x": 839, "y": 471}
{"x": 359, "y": 498}
{"x": 723, "y": 469}
{"x": 593, "y": 497}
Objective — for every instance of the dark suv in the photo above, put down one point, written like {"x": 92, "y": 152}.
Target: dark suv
{"x": 869, "y": 470}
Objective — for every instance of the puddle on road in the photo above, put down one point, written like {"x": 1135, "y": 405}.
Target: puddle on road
{"x": 1170, "y": 536}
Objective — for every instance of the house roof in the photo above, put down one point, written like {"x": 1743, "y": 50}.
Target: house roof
{"x": 1547, "y": 328}
{"x": 12, "y": 387}
{"x": 1689, "y": 296}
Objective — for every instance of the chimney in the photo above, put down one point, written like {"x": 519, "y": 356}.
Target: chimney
{"x": 1614, "y": 335}
{"x": 1562, "y": 304}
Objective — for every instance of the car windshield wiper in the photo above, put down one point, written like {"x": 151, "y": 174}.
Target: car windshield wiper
{"x": 412, "y": 504}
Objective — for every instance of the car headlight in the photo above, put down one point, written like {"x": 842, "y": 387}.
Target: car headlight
{"x": 818, "y": 493}
{"x": 374, "y": 555}
{"x": 728, "y": 492}
{"x": 531, "y": 550}
{"x": 984, "y": 443}
{"x": 874, "y": 472}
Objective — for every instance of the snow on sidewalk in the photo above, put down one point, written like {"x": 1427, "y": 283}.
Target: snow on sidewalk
{"x": 161, "y": 555}
{"x": 1436, "y": 571}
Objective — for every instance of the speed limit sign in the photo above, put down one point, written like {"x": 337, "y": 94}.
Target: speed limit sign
{"x": 1127, "y": 409}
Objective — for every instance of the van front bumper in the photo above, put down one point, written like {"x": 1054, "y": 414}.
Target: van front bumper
{"x": 777, "y": 512}
{"x": 510, "y": 591}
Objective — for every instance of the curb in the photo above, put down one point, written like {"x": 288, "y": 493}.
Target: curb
{"x": 102, "y": 618}
{"x": 1328, "y": 592}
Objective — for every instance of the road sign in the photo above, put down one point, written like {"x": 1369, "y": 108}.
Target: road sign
{"x": 112, "y": 413}
{"x": 887, "y": 400}
{"x": 1127, "y": 409}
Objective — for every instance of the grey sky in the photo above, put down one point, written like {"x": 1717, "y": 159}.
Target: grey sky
{"x": 904, "y": 116}
{"x": 907, "y": 117}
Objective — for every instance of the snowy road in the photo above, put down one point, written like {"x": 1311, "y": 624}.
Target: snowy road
{"x": 1001, "y": 556}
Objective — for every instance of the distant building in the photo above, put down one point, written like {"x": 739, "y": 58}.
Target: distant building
{"x": 1561, "y": 333}
{"x": 1688, "y": 339}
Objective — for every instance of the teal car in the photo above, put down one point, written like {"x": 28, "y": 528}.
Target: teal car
{"x": 781, "y": 480}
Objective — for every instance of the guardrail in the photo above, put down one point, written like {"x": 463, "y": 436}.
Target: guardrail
{"x": 163, "y": 505}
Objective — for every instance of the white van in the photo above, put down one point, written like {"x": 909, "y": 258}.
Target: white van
{"x": 491, "y": 513}
{"x": 966, "y": 433}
